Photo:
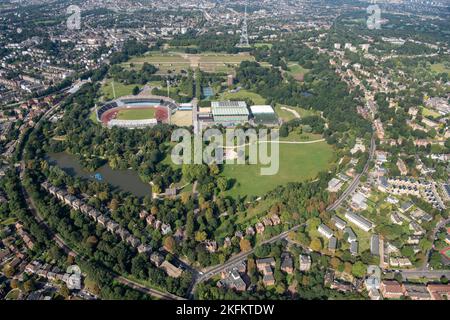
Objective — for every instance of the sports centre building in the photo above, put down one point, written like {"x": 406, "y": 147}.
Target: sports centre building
{"x": 160, "y": 110}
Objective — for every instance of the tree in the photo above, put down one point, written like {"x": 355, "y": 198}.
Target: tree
{"x": 359, "y": 269}
{"x": 136, "y": 90}
{"x": 200, "y": 236}
{"x": 245, "y": 245}
{"x": 316, "y": 244}
{"x": 222, "y": 183}
{"x": 64, "y": 291}
{"x": 170, "y": 244}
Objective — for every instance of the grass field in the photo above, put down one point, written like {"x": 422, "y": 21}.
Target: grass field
{"x": 136, "y": 114}
{"x": 120, "y": 88}
{"x": 243, "y": 94}
{"x": 177, "y": 61}
{"x": 428, "y": 112}
{"x": 296, "y": 70}
{"x": 298, "y": 162}
{"x": 440, "y": 68}
{"x": 287, "y": 115}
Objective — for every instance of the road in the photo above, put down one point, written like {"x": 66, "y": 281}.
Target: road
{"x": 440, "y": 225}
{"x": 428, "y": 274}
{"x": 352, "y": 187}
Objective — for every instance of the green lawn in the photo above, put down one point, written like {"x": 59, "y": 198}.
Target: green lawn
{"x": 243, "y": 94}
{"x": 8, "y": 221}
{"x": 13, "y": 294}
{"x": 295, "y": 69}
{"x": 177, "y": 61}
{"x": 440, "y": 68}
{"x": 120, "y": 88}
{"x": 286, "y": 115}
{"x": 428, "y": 112}
{"x": 262, "y": 44}
{"x": 298, "y": 162}
{"x": 136, "y": 114}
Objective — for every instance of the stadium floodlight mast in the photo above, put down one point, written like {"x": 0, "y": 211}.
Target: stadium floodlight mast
{"x": 243, "y": 42}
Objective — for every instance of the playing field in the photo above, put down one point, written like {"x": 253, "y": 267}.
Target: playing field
{"x": 136, "y": 114}
{"x": 298, "y": 162}
{"x": 175, "y": 62}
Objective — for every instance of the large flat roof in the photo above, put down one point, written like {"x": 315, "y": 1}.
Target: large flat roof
{"x": 266, "y": 109}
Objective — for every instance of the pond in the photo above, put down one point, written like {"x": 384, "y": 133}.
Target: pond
{"x": 124, "y": 180}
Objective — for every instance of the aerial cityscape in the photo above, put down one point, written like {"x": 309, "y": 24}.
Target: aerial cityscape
{"x": 224, "y": 150}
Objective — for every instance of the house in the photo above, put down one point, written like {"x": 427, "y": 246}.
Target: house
{"x": 144, "y": 248}
{"x": 275, "y": 220}
{"x": 359, "y": 201}
{"x": 375, "y": 245}
{"x": 112, "y": 226}
{"x": 395, "y": 218}
{"x": 392, "y": 289}
{"x": 171, "y": 270}
{"x": 339, "y": 223}
{"x": 133, "y": 241}
{"x": 305, "y": 262}
{"x": 103, "y": 220}
{"x": 156, "y": 258}
{"x": 416, "y": 292}
{"x": 354, "y": 248}
{"x": 143, "y": 214}
{"x": 232, "y": 280}
{"x": 165, "y": 229}
{"x": 249, "y": 231}
{"x": 351, "y": 235}
{"x": 261, "y": 264}
{"x": 332, "y": 244}
{"x": 211, "y": 246}
{"x": 287, "y": 264}
{"x": 94, "y": 214}
{"x": 267, "y": 222}
{"x": 122, "y": 233}
{"x": 150, "y": 220}
{"x": 439, "y": 291}
{"x": 334, "y": 185}
{"x": 405, "y": 206}
{"x": 325, "y": 231}
{"x": 402, "y": 167}
{"x": 259, "y": 228}
{"x": 268, "y": 280}
{"x": 359, "y": 221}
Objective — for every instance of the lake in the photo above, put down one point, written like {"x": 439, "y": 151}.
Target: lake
{"x": 124, "y": 180}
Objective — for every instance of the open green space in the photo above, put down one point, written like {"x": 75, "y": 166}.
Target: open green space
{"x": 168, "y": 62}
{"x": 13, "y": 294}
{"x": 8, "y": 222}
{"x": 296, "y": 70}
{"x": 440, "y": 68}
{"x": 243, "y": 94}
{"x": 298, "y": 162}
{"x": 120, "y": 89}
{"x": 136, "y": 114}
{"x": 430, "y": 113}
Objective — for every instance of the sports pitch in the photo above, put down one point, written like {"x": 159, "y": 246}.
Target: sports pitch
{"x": 177, "y": 61}
{"x": 136, "y": 114}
